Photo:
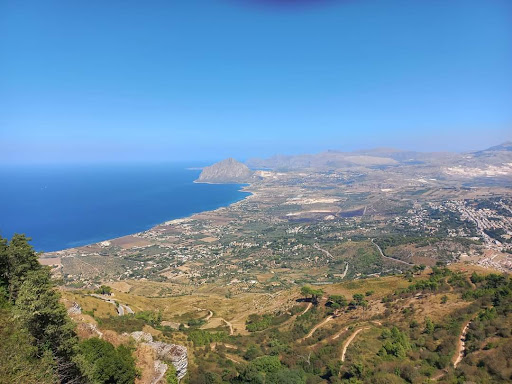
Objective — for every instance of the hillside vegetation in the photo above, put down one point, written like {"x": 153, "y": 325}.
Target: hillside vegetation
{"x": 428, "y": 324}
{"x": 396, "y": 329}
{"x": 408, "y": 336}
{"x": 39, "y": 344}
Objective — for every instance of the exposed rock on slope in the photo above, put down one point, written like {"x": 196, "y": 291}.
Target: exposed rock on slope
{"x": 170, "y": 353}
{"x": 175, "y": 354}
{"x": 226, "y": 171}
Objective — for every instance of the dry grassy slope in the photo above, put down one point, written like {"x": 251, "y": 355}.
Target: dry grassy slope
{"x": 142, "y": 296}
{"x": 88, "y": 303}
{"x": 234, "y": 310}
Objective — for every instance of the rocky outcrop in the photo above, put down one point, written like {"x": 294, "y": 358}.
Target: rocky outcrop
{"x": 86, "y": 330}
{"x": 75, "y": 309}
{"x": 226, "y": 171}
{"x": 170, "y": 353}
{"x": 160, "y": 370}
{"x": 142, "y": 337}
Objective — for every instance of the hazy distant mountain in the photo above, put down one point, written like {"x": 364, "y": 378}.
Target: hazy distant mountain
{"x": 411, "y": 156}
{"x": 496, "y": 155}
{"x": 504, "y": 147}
{"x": 226, "y": 171}
{"x": 381, "y": 157}
{"x": 323, "y": 160}
{"x": 385, "y": 157}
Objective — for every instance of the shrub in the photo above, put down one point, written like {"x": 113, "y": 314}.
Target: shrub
{"x": 100, "y": 362}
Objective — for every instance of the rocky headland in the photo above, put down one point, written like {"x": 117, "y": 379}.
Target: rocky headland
{"x": 226, "y": 171}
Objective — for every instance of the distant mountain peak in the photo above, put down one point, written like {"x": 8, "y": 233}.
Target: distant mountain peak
{"x": 503, "y": 147}
{"x": 226, "y": 171}
{"x": 506, "y": 146}
{"x": 381, "y": 150}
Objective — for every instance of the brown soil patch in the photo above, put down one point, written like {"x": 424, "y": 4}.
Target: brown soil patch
{"x": 50, "y": 261}
{"x": 264, "y": 277}
{"x": 152, "y": 331}
{"x": 209, "y": 239}
{"x": 145, "y": 361}
{"x": 121, "y": 286}
{"x": 128, "y": 242}
{"x": 115, "y": 338}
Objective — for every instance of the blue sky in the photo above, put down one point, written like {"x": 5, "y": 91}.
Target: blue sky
{"x": 203, "y": 79}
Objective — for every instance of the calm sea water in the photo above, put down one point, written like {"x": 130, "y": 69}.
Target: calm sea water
{"x": 68, "y": 206}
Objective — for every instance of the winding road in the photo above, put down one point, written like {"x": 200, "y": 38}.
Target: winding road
{"x": 327, "y": 253}
{"x": 461, "y": 347}
{"x": 390, "y": 258}
{"x": 120, "y": 308}
{"x": 349, "y": 340}
{"x": 345, "y": 272}
{"x": 325, "y": 321}
{"x": 307, "y": 308}
{"x": 229, "y": 325}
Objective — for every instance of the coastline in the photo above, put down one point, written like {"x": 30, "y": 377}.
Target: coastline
{"x": 244, "y": 188}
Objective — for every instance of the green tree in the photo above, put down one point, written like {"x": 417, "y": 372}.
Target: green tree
{"x": 170, "y": 375}
{"x": 338, "y": 301}
{"x": 20, "y": 361}
{"x": 267, "y": 364}
{"x": 4, "y": 262}
{"x": 102, "y": 363}
{"x": 252, "y": 352}
{"x": 38, "y": 310}
{"x": 476, "y": 278}
{"x": 358, "y": 298}
{"x": 250, "y": 375}
{"x": 429, "y": 326}
{"x": 396, "y": 343}
{"x": 286, "y": 376}
{"x": 21, "y": 259}
{"x": 104, "y": 290}
{"x": 315, "y": 294}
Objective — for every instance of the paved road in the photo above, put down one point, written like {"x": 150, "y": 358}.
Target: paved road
{"x": 120, "y": 308}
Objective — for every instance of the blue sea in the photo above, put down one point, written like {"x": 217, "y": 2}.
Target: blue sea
{"x": 67, "y": 206}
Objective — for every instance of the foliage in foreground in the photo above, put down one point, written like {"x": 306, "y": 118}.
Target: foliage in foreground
{"x": 39, "y": 344}
{"x": 101, "y": 362}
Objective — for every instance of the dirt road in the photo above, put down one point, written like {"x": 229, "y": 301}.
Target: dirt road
{"x": 344, "y": 272}
{"x": 390, "y": 258}
{"x": 327, "y": 253}
{"x": 307, "y": 308}
{"x": 322, "y": 323}
{"x": 349, "y": 340}
{"x": 229, "y": 325}
{"x": 461, "y": 347}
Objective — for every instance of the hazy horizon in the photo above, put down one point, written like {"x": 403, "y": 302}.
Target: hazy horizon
{"x": 204, "y": 80}
{"x": 199, "y": 163}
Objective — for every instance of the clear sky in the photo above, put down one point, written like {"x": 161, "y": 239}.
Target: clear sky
{"x": 115, "y": 80}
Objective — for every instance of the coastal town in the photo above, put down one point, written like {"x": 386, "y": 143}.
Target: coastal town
{"x": 298, "y": 226}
